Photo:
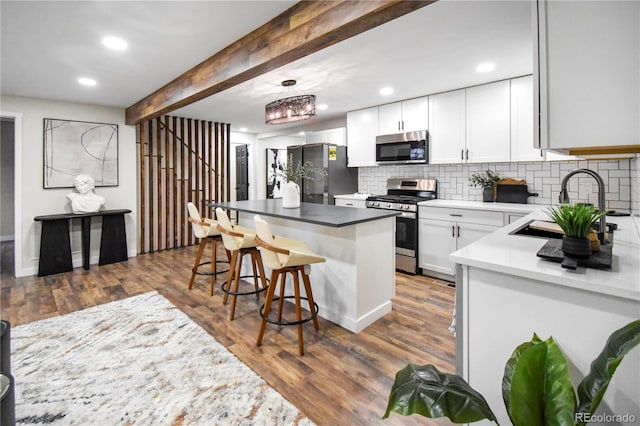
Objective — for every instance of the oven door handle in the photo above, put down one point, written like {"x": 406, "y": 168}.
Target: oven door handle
{"x": 407, "y": 215}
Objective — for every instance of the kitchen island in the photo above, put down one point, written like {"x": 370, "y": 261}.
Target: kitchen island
{"x": 355, "y": 286}
{"x": 505, "y": 293}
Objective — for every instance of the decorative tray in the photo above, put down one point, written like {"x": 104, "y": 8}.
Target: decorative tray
{"x": 552, "y": 251}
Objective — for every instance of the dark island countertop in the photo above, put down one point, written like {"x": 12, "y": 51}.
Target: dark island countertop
{"x": 319, "y": 214}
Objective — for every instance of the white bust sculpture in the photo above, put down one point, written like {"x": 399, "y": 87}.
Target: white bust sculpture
{"x": 85, "y": 200}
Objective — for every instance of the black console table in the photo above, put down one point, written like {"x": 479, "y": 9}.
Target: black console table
{"x": 55, "y": 244}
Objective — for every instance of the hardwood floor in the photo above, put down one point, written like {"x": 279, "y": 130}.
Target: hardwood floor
{"x": 343, "y": 378}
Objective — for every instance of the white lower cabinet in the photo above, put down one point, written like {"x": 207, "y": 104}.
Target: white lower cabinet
{"x": 512, "y": 217}
{"x": 437, "y": 240}
{"x": 351, "y": 202}
{"x": 445, "y": 230}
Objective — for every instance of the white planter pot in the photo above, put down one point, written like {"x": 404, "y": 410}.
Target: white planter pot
{"x": 290, "y": 195}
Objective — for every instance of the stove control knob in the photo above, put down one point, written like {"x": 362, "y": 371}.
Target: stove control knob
{"x": 388, "y": 205}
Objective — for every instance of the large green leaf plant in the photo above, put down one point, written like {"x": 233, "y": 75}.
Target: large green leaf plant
{"x": 536, "y": 387}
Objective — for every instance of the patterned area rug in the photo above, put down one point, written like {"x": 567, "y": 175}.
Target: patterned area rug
{"x": 136, "y": 361}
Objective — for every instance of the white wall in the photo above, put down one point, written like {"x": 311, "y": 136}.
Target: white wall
{"x": 38, "y": 201}
{"x": 6, "y": 179}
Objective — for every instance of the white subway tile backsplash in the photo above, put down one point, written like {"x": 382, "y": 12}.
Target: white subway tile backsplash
{"x": 621, "y": 177}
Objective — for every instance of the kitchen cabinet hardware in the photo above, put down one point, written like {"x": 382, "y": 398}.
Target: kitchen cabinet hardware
{"x": 455, "y": 215}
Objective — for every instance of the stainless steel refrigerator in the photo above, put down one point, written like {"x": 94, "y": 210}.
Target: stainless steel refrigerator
{"x": 339, "y": 178}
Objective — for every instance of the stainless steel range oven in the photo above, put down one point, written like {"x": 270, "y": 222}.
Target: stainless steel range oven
{"x": 403, "y": 195}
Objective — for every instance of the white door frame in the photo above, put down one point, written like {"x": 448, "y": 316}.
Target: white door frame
{"x": 17, "y": 190}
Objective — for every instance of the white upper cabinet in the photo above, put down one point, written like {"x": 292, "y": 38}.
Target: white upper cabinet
{"x": 415, "y": 114}
{"x": 390, "y": 118}
{"x": 587, "y": 69}
{"x": 362, "y": 129}
{"x": 405, "y": 116}
{"x": 522, "y": 121}
{"x": 447, "y": 127}
{"x": 332, "y": 136}
{"x": 488, "y": 116}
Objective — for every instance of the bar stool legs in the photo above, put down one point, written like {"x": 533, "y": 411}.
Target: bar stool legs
{"x": 265, "y": 310}
{"x": 233, "y": 278}
{"x": 214, "y": 261}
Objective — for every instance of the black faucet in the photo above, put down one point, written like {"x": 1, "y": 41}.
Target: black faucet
{"x": 564, "y": 196}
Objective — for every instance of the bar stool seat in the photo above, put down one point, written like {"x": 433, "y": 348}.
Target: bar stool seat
{"x": 206, "y": 230}
{"x": 239, "y": 241}
{"x": 286, "y": 255}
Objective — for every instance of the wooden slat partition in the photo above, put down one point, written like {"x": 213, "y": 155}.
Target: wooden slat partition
{"x": 180, "y": 161}
{"x": 142, "y": 235}
{"x": 183, "y": 185}
{"x": 150, "y": 233}
{"x": 174, "y": 179}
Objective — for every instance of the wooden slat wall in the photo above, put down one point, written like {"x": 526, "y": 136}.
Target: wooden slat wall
{"x": 180, "y": 160}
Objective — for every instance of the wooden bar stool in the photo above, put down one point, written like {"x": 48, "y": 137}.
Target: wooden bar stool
{"x": 239, "y": 241}
{"x": 284, "y": 255}
{"x": 206, "y": 230}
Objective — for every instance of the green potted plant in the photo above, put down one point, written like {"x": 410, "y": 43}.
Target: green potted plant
{"x": 292, "y": 176}
{"x": 486, "y": 180}
{"x": 576, "y": 220}
{"x": 426, "y": 391}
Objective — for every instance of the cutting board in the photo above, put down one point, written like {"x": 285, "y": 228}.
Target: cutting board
{"x": 513, "y": 193}
{"x": 511, "y": 181}
{"x": 543, "y": 225}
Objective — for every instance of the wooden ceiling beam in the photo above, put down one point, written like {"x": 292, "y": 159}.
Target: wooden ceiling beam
{"x": 305, "y": 28}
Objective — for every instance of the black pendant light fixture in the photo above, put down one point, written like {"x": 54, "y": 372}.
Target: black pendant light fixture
{"x": 291, "y": 109}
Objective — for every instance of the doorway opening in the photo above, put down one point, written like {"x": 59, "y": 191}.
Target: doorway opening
{"x": 7, "y": 186}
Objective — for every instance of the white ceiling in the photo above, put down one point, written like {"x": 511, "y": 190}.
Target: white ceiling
{"x": 46, "y": 46}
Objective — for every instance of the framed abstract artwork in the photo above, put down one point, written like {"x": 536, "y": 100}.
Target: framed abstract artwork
{"x": 79, "y": 147}
{"x": 276, "y": 162}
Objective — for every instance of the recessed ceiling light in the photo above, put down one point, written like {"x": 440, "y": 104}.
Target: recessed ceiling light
{"x": 87, "y": 81}
{"x": 322, "y": 106}
{"x": 114, "y": 43}
{"x": 486, "y": 67}
{"x": 301, "y": 133}
{"x": 243, "y": 129}
{"x": 386, "y": 91}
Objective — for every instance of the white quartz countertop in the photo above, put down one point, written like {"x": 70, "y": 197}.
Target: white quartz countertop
{"x": 516, "y": 255}
{"x": 479, "y": 205}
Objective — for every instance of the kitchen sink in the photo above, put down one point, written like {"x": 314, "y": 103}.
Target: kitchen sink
{"x": 527, "y": 231}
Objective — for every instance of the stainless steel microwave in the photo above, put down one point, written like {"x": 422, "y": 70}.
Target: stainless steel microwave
{"x": 403, "y": 148}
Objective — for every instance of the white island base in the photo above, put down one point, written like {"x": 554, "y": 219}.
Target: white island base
{"x": 355, "y": 286}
